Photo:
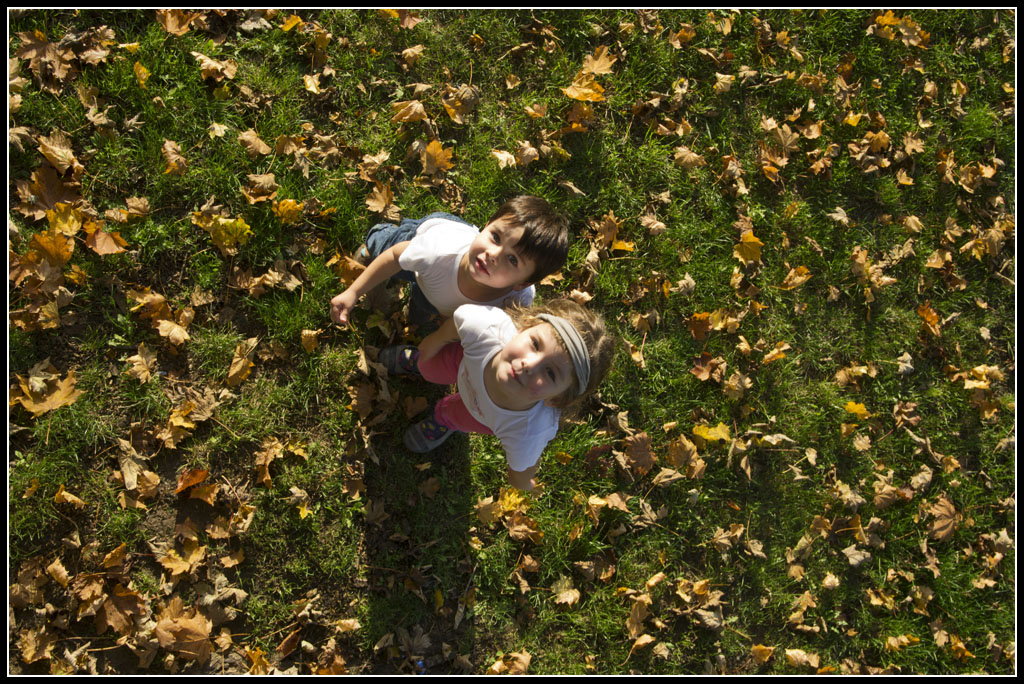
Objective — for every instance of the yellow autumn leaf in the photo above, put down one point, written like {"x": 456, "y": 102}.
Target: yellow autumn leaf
{"x": 858, "y": 410}
{"x": 712, "y": 434}
{"x": 291, "y": 22}
{"x": 600, "y": 62}
{"x": 241, "y": 364}
{"x": 761, "y": 653}
{"x": 748, "y": 250}
{"x": 141, "y": 74}
{"x": 585, "y": 88}
{"x": 228, "y": 233}
{"x": 63, "y": 496}
{"x": 795, "y": 278}
{"x": 310, "y": 340}
{"x": 288, "y": 210}
{"x": 65, "y": 219}
{"x": 777, "y": 353}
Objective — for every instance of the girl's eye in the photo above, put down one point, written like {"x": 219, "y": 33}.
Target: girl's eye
{"x": 495, "y": 238}
{"x": 513, "y": 260}
{"x": 551, "y": 375}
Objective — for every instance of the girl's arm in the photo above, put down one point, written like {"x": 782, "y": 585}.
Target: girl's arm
{"x": 437, "y": 340}
{"x": 523, "y": 479}
{"x": 379, "y": 270}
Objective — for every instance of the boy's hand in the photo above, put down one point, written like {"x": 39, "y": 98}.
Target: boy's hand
{"x": 341, "y": 306}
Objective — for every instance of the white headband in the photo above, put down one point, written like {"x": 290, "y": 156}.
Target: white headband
{"x": 576, "y": 347}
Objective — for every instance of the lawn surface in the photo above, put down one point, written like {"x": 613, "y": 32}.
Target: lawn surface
{"x": 800, "y": 226}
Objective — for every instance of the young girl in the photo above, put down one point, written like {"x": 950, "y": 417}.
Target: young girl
{"x": 516, "y": 371}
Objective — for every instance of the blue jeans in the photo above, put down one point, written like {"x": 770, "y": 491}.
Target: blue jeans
{"x": 384, "y": 236}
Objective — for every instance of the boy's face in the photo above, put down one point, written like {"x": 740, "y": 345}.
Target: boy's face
{"x": 495, "y": 261}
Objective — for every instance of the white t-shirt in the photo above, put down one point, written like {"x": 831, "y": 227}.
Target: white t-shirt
{"x": 434, "y": 255}
{"x": 484, "y": 331}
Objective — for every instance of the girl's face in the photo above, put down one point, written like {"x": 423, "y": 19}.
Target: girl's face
{"x": 532, "y": 367}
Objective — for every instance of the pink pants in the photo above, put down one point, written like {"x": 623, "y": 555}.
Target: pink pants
{"x": 443, "y": 369}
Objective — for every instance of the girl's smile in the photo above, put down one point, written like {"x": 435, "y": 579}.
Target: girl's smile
{"x": 532, "y": 367}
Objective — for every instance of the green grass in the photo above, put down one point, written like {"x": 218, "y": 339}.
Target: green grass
{"x": 379, "y": 543}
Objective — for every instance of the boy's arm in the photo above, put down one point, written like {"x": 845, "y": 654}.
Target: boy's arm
{"x": 523, "y": 479}
{"x": 379, "y": 270}
{"x": 437, "y": 340}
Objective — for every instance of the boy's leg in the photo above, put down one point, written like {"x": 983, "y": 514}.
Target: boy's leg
{"x": 422, "y": 313}
{"x": 384, "y": 236}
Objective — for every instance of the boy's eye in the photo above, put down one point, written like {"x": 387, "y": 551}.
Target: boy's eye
{"x": 513, "y": 260}
{"x": 495, "y": 238}
{"x": 551, "y": 375}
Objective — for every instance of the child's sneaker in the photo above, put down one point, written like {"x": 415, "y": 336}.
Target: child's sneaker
{"x": 362, "y": 256}
{"x": 400, "y": 359}
{"x": 426, "y": 435}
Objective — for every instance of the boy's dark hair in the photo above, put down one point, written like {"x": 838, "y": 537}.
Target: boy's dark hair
{"x": 545, "y": 238}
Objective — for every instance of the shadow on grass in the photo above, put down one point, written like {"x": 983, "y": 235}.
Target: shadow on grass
{"x": 417, "y": 561}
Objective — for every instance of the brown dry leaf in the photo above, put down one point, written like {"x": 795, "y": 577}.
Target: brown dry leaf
{"x": 206, "y": 493}
{"x": 381, "y": 200}
{"x": 214, "y": 69}
{"x": 175, "y": 21}
{"x": 642, "y": 641}
{"x": 57, "y": 150}
{"x": 723, "y": 83}
{"x": 143, "y": 364}
{"x": 184, "y": 632}
{"x": 102, "y": 242}
{"x": 242, "y": 364}
{"x": 526, "y": 154}
{"x": 190, "y": 478}
{"x": 173, "y": 331}
{"x": 930, "y": 318}
{"x": 408, "y": 111}
{"x": 707, "y": 368}
{"x": 505, "y": 159}
{"x": 44, "y": 391}
{"x": 191, "y": 556}
{"x": 253, "y": 145}
{"x": 176, "y": 163}
{"x": 795, "y": 278}
{"x": 310, "y": 340}
{"x": 488, "y": 511}
{"x": 600, "y": 62}
{"x": 639, "y": 456}
{"x": 261, "y": 188}
{"x": 564, "y": 591}
{"x": 523, "y": 528}
{"x": 120, "y": 610}
{"x": 800, "y": 658}
{"x": 460, "y": 101}
{"x": 585, "y": 88}
{"x": 436, "y": 159}
{"x": 687, "y": 158}
{"x": 945, "y": 521}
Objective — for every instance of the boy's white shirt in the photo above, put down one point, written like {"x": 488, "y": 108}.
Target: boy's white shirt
{"x": 484, "y": 331}
{"x": 434, "y": 255}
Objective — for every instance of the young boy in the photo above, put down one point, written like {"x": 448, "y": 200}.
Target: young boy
{"x": 452, "y": 263}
